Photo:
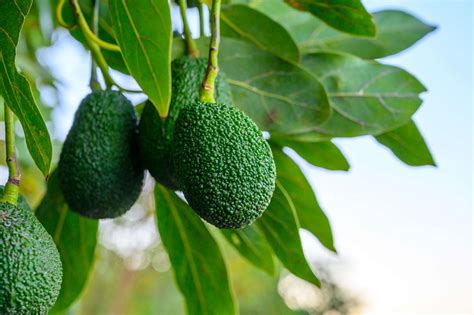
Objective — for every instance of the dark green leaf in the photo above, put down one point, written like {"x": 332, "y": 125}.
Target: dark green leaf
{"x": 348, "y": 16}
{"x": 14, "y": 88}
{"x": 407, "y": 143}
{"x": 311, "y": 216}
{"x": 75, "y": 238}
{"x": 396, "y": 31}
{"x": 199, "y": 268}
{"x": 243, "y": 22}
{"x": 251, "y": 244}
{"x": 324, "y": 154}
{"x": 280, "y": 226}
{"x": 366, "y": 97}
{"x": 144, "y": 35}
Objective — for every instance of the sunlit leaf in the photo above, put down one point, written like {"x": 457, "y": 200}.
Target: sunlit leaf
{"x": 75, "y": 237}
{"x": 407, "y": 143}
{"x": 14, "y": 88}
{"x": 199, "y": 268}
{"x": 251, "y": 244}
{"x": 280, "y": 225}
{"x": 144, "y": 34}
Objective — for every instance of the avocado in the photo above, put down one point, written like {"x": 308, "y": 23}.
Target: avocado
{"x": 30, "y": 266}
{"x": 223, "y": 164}
{"x": 155, "y": 134}
{"x": 100, "y": 172}
{"x": 21, "y": 200}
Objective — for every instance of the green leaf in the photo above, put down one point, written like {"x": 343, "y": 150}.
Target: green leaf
{"x": 396, "y": 31}
{"x": 348, "y": 16}
{"x": 407, "y": 143}
{"x": 75, "y": 238}
{"x": 144, "y": 35}
{"x": 251, "y": 244}
{"x": 310, "y": 214}
{"x": 324, "y": 154}
{"x": 366, "y": 97}
{"x": 280, "y": 226}
{"x": 14, "y": 88}
{"x": 199, "y": 268}
{"x": 243, "y": 22}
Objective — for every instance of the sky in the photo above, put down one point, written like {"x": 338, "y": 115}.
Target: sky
{"x": 404, "y": 234}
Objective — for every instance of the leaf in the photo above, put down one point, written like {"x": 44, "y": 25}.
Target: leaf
{"x": 280, "y": 226}
{"x": 251, "y": 244}
{"x": 243, "y": 22}
{"x": 279, "y": 96}
{"x": 75, "y": 237}
{"x": 396, "y": 31}
{"x": 366, "y": 97}
{"x": 199, "y": 268}
{"x": 15, "y": 88}
{"x": 324, "y": 154}
{"x": 311, "y": 216}
{"x": 407, "y": 143}
{"x": 348, "y": 16}
{"x": 144, "y": 34}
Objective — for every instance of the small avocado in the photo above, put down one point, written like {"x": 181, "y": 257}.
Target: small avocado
{"x": 30, "y": 266}
{"x": 155, "y": 134}
{"x": 223, "y": 164}
{"x": 100, "y": 172}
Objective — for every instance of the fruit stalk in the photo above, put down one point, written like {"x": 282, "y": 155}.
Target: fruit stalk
{"x": 201, "y": 19}
{"x": 208, "y": 84}
{"x": 10, "y": 194}
{"x": 193, "y": 51}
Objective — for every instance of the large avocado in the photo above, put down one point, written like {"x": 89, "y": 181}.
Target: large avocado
{"x": 30, "y": 266}
{"x": 223, "y": 164}
{"x": 100, "y": 172}
{"x": 155, "y": 134}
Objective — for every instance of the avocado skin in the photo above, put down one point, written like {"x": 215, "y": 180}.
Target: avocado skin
{"x": 30, "y": 266}
{"x": 224, "y": 165}
{"x": 100, "y": 172}
{"x": 155, "y": 134}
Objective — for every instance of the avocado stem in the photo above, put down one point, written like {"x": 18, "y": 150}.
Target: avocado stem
{"x": 208, "y": 84}
{"x": 193, "y": 51}
{"x": 94, "y": 83}
{"x": 11, "y": 191}
{"x": 201, "y": 19}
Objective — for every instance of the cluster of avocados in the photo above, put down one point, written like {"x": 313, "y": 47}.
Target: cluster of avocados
{"x": 30, "y": 266}
{"x": 212, "y": 152}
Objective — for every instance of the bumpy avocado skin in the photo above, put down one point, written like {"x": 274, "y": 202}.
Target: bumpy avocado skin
{"x": 224, "y": 165}
{"x": 155, "y": 134}
{"x": 30, "y": 266}
{"x": 100, "y": 172}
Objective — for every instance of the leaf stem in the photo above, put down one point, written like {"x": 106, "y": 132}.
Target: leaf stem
{"x": 201, "y": 19}
{"x": 94, "y": 83}
{"x": 208, "y": 84}
{"x": 193, "y": 51}
{"x": 59, "y": 15}
{"x": 10, "y": 194}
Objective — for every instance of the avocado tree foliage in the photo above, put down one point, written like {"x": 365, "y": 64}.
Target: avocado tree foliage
{"x": 305, "y": 71}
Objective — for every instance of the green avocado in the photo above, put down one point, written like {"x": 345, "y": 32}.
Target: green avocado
{"x": 100, "y": 172}
{"x": 30, "y": 266}
{"x": 21, "y": 200}
{"x": 224, "y": 166}
{"x": 155, "y": 134}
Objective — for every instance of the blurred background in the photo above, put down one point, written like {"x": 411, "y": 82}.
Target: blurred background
{"x": 404, "y": 234}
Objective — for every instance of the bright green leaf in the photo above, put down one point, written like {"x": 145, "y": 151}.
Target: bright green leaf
{"x": 243, "y": 22}
{"x": 407, "y": 143}
{"x": 251, "y": 244}
{"x": 366, "y": 97}
{"x": 14, "y": 88}
{"x": 75, "y": 238}
{"x": 311, "y": 216}
{"x": 348, "y": 16}
{"x": 144, "y": 34}
{"x": 199, "y": 268}
{"x": 280, "y": 225}
{"x": 324, "y": 154}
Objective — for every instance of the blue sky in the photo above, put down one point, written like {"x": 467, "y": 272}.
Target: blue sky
{"x": 404, "y": 234}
